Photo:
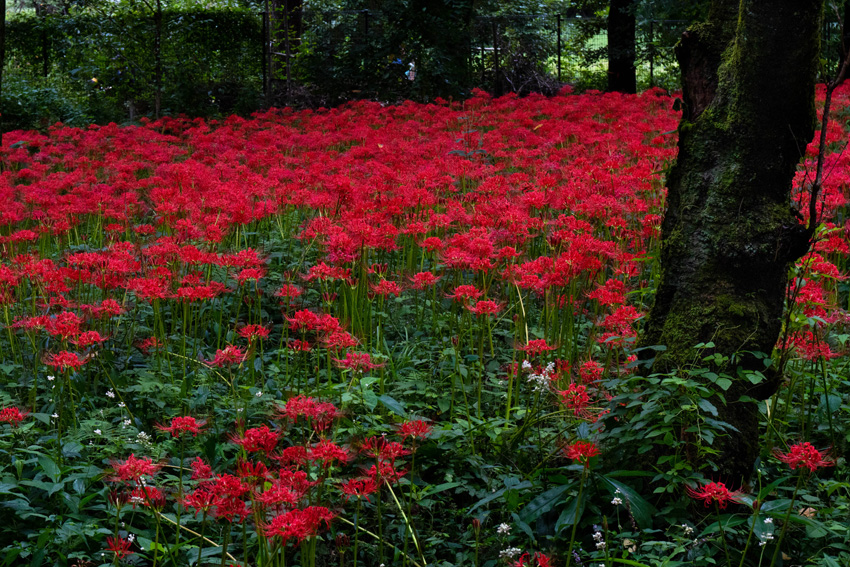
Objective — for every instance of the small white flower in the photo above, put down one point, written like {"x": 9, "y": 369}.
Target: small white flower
{"x": 617, "y": 501}
{"x": 131, "y": 538}
{"x": 97, "y": 432}
{"x": 688, "y": 529}
{"x": 503, "y": 529}
{"x": 259, "y": 394}
{"x": 526, "y": 365}
{"x": 55, "y": 416}
{"x": 509, "y": 553}
{"x": 600, "y": 545}
{"x": 110, "y": 394}
{"x": 768, "y": 520}
{"x": 126, "y": 423}
{"x": 121, "y": 405}
{"x": 51, "y": 378}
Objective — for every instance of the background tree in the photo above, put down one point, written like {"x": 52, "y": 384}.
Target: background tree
{"x": 730, "y": 232}
{"x": 622, "y": 76}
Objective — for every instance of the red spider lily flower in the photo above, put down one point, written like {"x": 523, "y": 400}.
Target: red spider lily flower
{"x": 319, "y": 414}
{"x": 66, "y": 324}
{"x": 298, "y": 524}
{"x": 181, "y": 425}
{"x": 292, "y": 456}
{"x": 339, "y": 340}
{"x": 88, "y": 338}
{"x": 327, "y": 452}
{"x": 134, "y": 468}
{"x": 536, "y": 346}
{"x": 65, "y": 360}
{"x": 228, "y": 356}
{"x": 288, "y": 290}
{"x": 804, "y": 455}
{"x": 13, "y": 416}
{"x": 385, "y": 288}
{"x": 575, "y": 398}
{"x": 581, "y": 451}
{"x": 485, "y": 307}
{"x": 250, "y": 274}
{"x": 202, "y": 499}
{"x": 465, "y": 293}
{"x": 298, "y": 345}
{"x": 590, "y": 371}
{"x": 542, "y": 560}
{"x": 423, "y": 280}
{"x": 385, "y": 471}
{"x": 252, "y": 473}
{"x": 303, "y": 320}
{"x": 359, "y": 488}
{"x": 120, "y": 547}
{"x": 715, "y": 492}
{"x": 148, "y": 344}
{"x": 357, "y": 362}
{"x": 200, "y": 469}
{"x": 252, "y": 332}
{"x": 416, "y": 428}
{"x": 257, "y": 439}
{"x": 148, "y": 496}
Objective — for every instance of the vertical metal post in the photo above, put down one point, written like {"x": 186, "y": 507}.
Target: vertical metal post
{"x": 559, "y": 47}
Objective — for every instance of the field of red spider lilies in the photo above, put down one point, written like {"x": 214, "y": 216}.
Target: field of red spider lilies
{"x": 388, "y": 335}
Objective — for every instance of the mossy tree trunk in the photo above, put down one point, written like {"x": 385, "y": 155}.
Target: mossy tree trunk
{"x": 730, "y": 232}
{"x": 621, "y": 46}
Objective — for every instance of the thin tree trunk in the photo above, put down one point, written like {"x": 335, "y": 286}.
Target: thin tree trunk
{"x": 621, "y": 46}
{"x": 157, "y": 17}
{"x": 2, "y": 61}
{"x": 730, "y": 233}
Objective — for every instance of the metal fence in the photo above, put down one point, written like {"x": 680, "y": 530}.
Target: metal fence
{"x": 224, "y": 61}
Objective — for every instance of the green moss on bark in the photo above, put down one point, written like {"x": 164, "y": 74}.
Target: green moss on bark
{"x": 730, "y": 233}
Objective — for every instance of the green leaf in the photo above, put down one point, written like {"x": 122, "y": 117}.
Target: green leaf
{"x": 707, "y": 406}
{"x": 50, "y": 468}
{"x": 393, "y": 405}
{"x": 570, "y": 515}
{"x": 543, "y": 503}
{"x": 724, "y": 383}
{"x": 642, "y": 510}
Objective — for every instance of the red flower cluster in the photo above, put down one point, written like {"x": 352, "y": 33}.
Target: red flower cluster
{"x": 715, "y": 492}
{"x": 181, "y": 425}
{"x": 13, "y": 416}
{"x": 804, "y": 455}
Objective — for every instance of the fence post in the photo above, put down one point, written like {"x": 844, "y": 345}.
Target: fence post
{"x": 558, "y": 18}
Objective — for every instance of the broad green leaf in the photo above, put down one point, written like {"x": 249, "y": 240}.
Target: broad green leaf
{"x": 543, "y": 503}
{"x": 393, "y": 405}
{"x": 642, "y": 510}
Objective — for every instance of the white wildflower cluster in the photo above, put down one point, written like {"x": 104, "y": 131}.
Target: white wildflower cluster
{"x": 617, "y": 501}
{"x": 687, "y": 529}
{"x": 110, "y": 394}
{"x": 766, "y": 537}
{"x": 540, "y": 382}
{"x": 503, "y": 529}
{"x": 509, "y": 553}
{"x": 599, "y": 539}
{"x": 144, "y": 439}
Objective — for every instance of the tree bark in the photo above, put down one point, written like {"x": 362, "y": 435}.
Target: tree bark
{"x": 621, "y": 47}
{"x": 730, "y": 232}
{"x": 2, "y": 61}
